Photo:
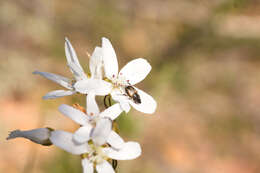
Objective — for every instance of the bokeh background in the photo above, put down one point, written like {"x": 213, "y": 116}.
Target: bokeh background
{"x": 205, "y": 56}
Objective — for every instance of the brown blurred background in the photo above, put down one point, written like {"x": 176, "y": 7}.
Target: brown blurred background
{"x": 205, "y": 56}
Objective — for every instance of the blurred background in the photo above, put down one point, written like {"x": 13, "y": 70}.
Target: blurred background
{"x": 205, "y": 56}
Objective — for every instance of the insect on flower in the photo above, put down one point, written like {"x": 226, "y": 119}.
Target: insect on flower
{"x": 122, "y": 82}
{"x": 133, "y": 94}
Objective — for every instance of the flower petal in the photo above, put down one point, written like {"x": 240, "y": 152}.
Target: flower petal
{"x": 122, "y": 100}
{"x": 125, "y": 106}
{"x": 101, "y": 131}
{"x": 112, "y": 112}
{"x": 39, "y": 136}
{"x": 96, "y": 63}
{"x": 82, "y": 134}
{"x": 104, "y": 167}
{"x": 63, "y": 81}
{"x": 136, "y": 70}
{"x": 87, "y": 166}
{"x": 74, "y": 114}
{"x": 148, "y": 104}
{"x": 64, "y": 141}
{"x": 78, "y": 74}
{"x": 130, "y": 150}
{"x": 109, "y": 58}
{"x": 115, "y": 140}
{"x": 92, "y": 107}
{"x": 99, "y": 87}
{"x": 71, "y": 54}
{"x": 57, "y": 94}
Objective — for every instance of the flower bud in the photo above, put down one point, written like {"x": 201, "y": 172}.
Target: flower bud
{"x": 39, "y": 136}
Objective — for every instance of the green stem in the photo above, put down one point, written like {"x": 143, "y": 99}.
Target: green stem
{"x": 109, "y": 101}
{"x": 114, "y": 164}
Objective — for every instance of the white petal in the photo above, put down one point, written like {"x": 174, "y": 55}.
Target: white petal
{"x": 96, "y": 64}
{"x": 64, "y": 141}
{"x": 104, "y": 167}
{"x": 109, "y": 58}
{"x": 87, "y": 166}
{"x": 74, "y": 114}
{"x": 115, "y": 140}
{"x": 82, "y": 134}
{"x": 148, "y": 104}
{"x": 63, "y": 81}
{"x": 71, "y": 54}
{"x": 73, "y": 62}
{"x": 78, "y": 74}
{"x": 57, "y": 94}
{"x": 112, "y": 112}
{"x": 92, "y": 107}
{"x": 99, "y": 87}
{"x": 130, "y": 150}
{"x": 125, "y": 106}
{"x": 122, "y": 100}
{"x": 101, "y": 131}
{"x": 39, "y": 136}
{"x": 136, "y": 70}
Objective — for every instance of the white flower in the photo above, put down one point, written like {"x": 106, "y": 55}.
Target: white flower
{"x": 39, "y": 136}
{"x": 99, "y": 155}
{"x": 122, "y": 83}
{"x": 96, "y": 154}
{"x": 94, "y": 125}
{"x": 95, "y": 139}
{"x": 90, "y": 84}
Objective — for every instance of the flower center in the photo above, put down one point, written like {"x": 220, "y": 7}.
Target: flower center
{"x": 119, "y": 81}
{"x": 96, "y": 154}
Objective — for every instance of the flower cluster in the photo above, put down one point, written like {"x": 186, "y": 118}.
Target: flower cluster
{"x": 96, "y": 140}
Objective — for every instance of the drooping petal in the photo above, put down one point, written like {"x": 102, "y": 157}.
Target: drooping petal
{"x": 136, "y": 70}
{"x": 92, "y": 107}
{"x": 112, "y": 112}
{"x": 115, "y": 140}
{"x": 71, "y": 54}
{"x": 82, "y": 134}
{"x": 39, "y": 136}
{"x": 130, "y": 150}
{"x": 104, "y": 167}
{"x": 109, "y": 58}
{"x": 64, "y": 140}
{"x": 96, "y": 64}
{"x": 99, "y": 87}
{"x": 57, "y": 94}
{"x": 63, "y": 81}
{"x": 87, "y": 166}
{"x": 101, "y": 131}
{"x": 148, "y": 104}
{"x": 74, "y": 114}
